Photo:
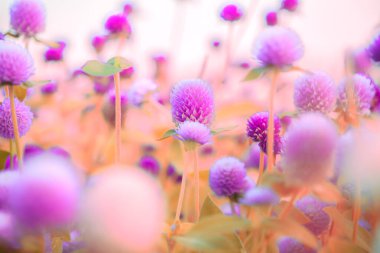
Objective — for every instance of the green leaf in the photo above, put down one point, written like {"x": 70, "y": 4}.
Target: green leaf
{"x": 3, "y": 158}
{"x": 168, "y": 134}
{"x": 119, "y": 62}
{"x": 29, "y": 84}
{"x": 209, "y": 208}
{"x": 255, "y": 73}
{"x": 223, "y": 129}
{"x": 97, "y": 68}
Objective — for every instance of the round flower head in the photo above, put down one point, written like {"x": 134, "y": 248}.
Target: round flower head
{"x": 24, "y": 118}
{"x": 150, "y": 164}
{"x": 364, "y": 93}
{"x": 139, "y": 90}
{"x": 98, "y": 42}
{"x": 277, "y": 144}
{"x": 103, "y": 85}
{"x": 290, "y": 5}
{"x": 312, "y": 208}
{"x": 278, "y": 47}
{"x": 47, "y": 193}
{"x": 194, "y": 132}
{"x": 49, "y": 88}
{"x": 374, "y": 49}
{"x": 271, "y": 18}
{"x": 228, "y": 177}
{"x": 192, "y": 100}
{"x": 252, "y": 159}
{"x": 315, "y": 93}
{"x": 309, "y": 149}
{"x": 128, "y": 8}
{"x": 118, "y": 24}
{"x": 361, "y": 60}
{"x": 28, "y": 17}
{"x": 16, "y": 63}
{"x": 7, "y": 179}
{"x": 290, "y": 245}
{"x": 128, "y": 72}
{"x": 55, "y": 54}
{"x": 108, "y": 108}
{"x": 258, "y": 196}
{"x": 58, "y": 151}
{"x": 231, "y": 12}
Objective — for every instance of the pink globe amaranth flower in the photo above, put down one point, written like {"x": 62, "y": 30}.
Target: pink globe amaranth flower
{"x": 108, "y": 108}
{"x": 194, "y": 132}
{"x": 160, "y": 58}
{"x": 118, "y": 24}
{"x": 49, "y": 88}
{"x": 7, "y": 179}
{"x": 215, "y": 43}
{"x": 128, "y": 72}
{"x": 231, "y": 13}
{"x": 315, "y": 93}
{"x": 290, "y": 5}
{"x": 259, "y": 196}
{"x": 252, "y": 159}
{"x": 374, "y": 49}
{"x": 271, "y": 18}
{"x": 149, "y": 164}
{"x": 27, "y": 17}
{"x": 290, "y": 245}
{"x": 228, "y": 177}
{"x": 376, "y": 100}
{"x": 16, "y": 63}
{"x": 364, "y": 93}
{"x": 139, "y": 90}
{"x": 278, "y": 47}
{"x": 47, "y": 193}
{"x": 361, "y": 60}
{"x": 192, "y": 100}
{"x": 55, "y": 54}
{"x": 29, "y": 151}
{"x": 277, "y": 144}
{"x": 128, "y": 8}
{"x": 309, "y": 149}
{"x": 98, "y": 42}
{"x": 103, "y": 85}
{"x": 24, "y": 118}
{"x": 312, "y": 208}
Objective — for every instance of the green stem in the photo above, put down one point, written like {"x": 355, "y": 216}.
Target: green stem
{"x": 15, "y": 127}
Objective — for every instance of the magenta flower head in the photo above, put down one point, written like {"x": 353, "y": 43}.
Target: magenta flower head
{"x": 309, "y": 149}
{"x": 24, "y": 118}
{"x": 128, "y": 72}
{"x": 193, "y": 132}
{"x": 290, "y": 5}
{"x": 16, "y": 63}
{"x": 252, "y": 159}
{"x": 228, "y": 177}
{"x": 376, "y": 100}
{"x": 271, "y": 18}
{"x": 7, "y": 179}
{"x": 259, "y": 196}
{"x": 103, "y": 85}
{"x": 98, "y": 42}
{"x": 374, "y": 49}
{"x": 118, "y": 24}
{"x": 192, "y": 100}
{"x": 290, "y": 245}
{"x": 55, "y": 54}
{"x": 231, "y": 13}
{"x": 315, "y": 93}
{"x": 364, "y": 93}
{"x": 278, "y": 47}
{"x": 139, "y": 90}
{"x": 27, "y": 17}
{"x": 47, "y": 193}
{"x": 361, "y": 60}
{"x": 49, "y": 88}
{"x": 128, "y": 8}
{"x": 108, "y": 108}
{"x": 149, "y": 164}
{"x": 312, "y": 208}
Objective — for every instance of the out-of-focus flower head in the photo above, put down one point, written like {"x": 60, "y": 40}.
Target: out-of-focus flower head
{"x": 290, "y": 245}
{"x": 55, "y": 54}
{"x": 116, "y": 24}
{"x": 231, "y": 12}
{"x": 374, "y": 49}
{"x": 128, "y": 72}
{"x": 139, "y": 90}
{"x": 108, "y": 108}
{"x": 252, "y": 159}
{"x": 259, "y": 196}
{"x": 103, "y": 85}
{"x": 98, "y": 42}
{"x": 7, "y": 179}
{"x": 361, "y": 60}
{"x": 290, "y": 5}
{"x": 271, "y": 18}
{"x": 49, "y": 88}
{"x": 28, "y": 17}
{"x": 149, "y": 164}
{"x": 128, "y": 8}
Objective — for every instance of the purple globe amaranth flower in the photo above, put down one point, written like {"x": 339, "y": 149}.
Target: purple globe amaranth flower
{"x": 7, "y": 179}
{"x": 252, "y": 159}
{"x": 55, "y": 54}
{"x": 312, "y": 208}
{"x": 193, "y": 132}
{"x": 290, "y": 245}
{"x": 271, "y": 18}
{"x": 139, "y": 89}
{"x": 309, "y": 149}
{"x": 290, "y": 5}
{"x": 108, "y": 108}
{"x": 192, "y": 100}
{"x": 228, "y": 177}
{"x": 258, "y": 196}
{"x": 361, "y": 60}
{"x": 150, "y": 164}
{"x": 128, "y": 72}
{"x": 215, "y": 43}
{"x": 98, "y": 42}
{"x": 128, "y": 8}
{"x": 118, "y": 24}
{"x": 49, "y": 88}
{"x": 16, "y": 63}
{"x": 27, "y": 17}
{"x": 278, "y": 47}
{"x": 363, "y": 90}
{"x": 170, "y": 170}
{"x": 376, "y": 100}
{"x": 59, "y": 152}
{"x": 231, "y": 13}
{"x": 374, "y": 49}
{"x": 277, "y": 144}
{"x": 30, "y": 150}
{"x": 24, "y": 118}
{"x": 315, "y": 93}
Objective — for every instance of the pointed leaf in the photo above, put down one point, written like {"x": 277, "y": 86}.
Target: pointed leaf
{"x": 168, "y": 134}
{"x": 96, "y": 68}
{"x": 209, "y": 208}
{"x": 29, "y": 84}
{"x": 119, "y": 62}
{"x": 221, "y": 130}
{"x": 255, "y": 73}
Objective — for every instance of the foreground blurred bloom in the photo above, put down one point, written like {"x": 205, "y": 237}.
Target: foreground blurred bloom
{"x": 374, "y": 49}
{"x": 231, "y": 12}
{"x": 55, "y": 54}
{"x": 139, "y": 89}
{"x": 364, "y": 93}
{"x": 309, "y": 149}
{"x": 28, "y": 17}
{"x": 24, "y": 118}
{"x": 123, "y": 211}
{"x": 228, "y": 177}
{"x": 290, "y": 245}
{"x": 192, "y": 100}
{"x": 257, "y": 196}
{"x": 150, "y": 164}
{"x": 16, "y": 63}
{"x": 252, "y": 159}
{"x": 98, "y": 42}
{"x": 29, "y": 151}
{"x": 278, "y": 47}
{"x": 47, "y": 193}
{"x": 315, "y": 92}
{"x": 118, "y": 24}
{"x": 49, "y": 88}
{"x": 271, "y": 18}
{"x": 290, "y": 5}
{"x": 108, "y": 108}
{"x": 194, "y": 132}
{"x": 7, "y": 180}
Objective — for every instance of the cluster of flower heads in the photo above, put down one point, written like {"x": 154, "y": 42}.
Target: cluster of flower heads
{"x": 288, "y": 5}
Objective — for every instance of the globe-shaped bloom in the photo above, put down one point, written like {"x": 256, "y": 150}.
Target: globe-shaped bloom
{"x": 231, "y": 12}
{"x": 192, "y": 100}
{"x": 98, "y": 42}
{"x": 16, "y": 63}
{"x": 315, "y": 93}
{"x": 290, "y": 5}
{"x": 27, "y": 17}
{"x": 118, "y": 24}
{"x": 258, "y": 196}
{"x": 290, "y": 245}
{"x": 194, "y": 132}
{"x": 139, "y": 90}
{"x": 363, "y": 90}
{"x": 278, "y": 47}
{"x": 150, "y": 164}
{"x": 128, "y": 8}
{"x": 2, "y": 36}
{"x": 374, "y": 49}
{"x": 127, "y": 73}
{"x": 108, "y": 108}
{"x": 49, "y": 88}
{"x": 55, "y": 54}
{"x": 102, "y": 85}
{"x": 228, "y": 177}
{"x": 271, "y": 18}
{"x": 24, "y": 118}
{"x": 309, "y": 149}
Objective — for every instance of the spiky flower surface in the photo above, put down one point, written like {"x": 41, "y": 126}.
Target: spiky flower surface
{"x": 118, "y": 24}
{"x": 228, "y": 177}
{"x": 190, "y": 131}
{"x": 28, "y": 17}
{"x": 231, "y": 12}
{"x": 23, "y": 114}
{"x": 278, "y": 47}
{"x": 192, "y": 100}
{"x": 374, "y": 49}
{"x": 16, "y": 63}
{"x": 150, "y": 164}
{"x": 290, "y": 245}
{"x": 257, "y": 196}
{"x": 315, "y": 93}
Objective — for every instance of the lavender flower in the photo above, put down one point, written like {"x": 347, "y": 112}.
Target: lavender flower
{"x": 290, "y": 5}
{"x": 29, "y": 151}
{"x": 271, "y": 18}
{"x": 118, "y": 24}
{"x": 16, "y": 63}
{"x": 228, "y": 177}
{"x": 252, "y": 159}
{"x": 98, "y": 42}
{"x": 309, "y": 149}
{"x": 7, "y": 180}
{"x": 49, "y": 88}
{"x": 58, "y": 151}
{"x": 290, "y": 245}
{"x": 2, "y": 36}
{"x": 27, "y": 17}
{"x": 231, "y": 13}
{"x": 139, "y": 90}
{"x": 150, "y": 164}
{"x": 108, "y": 108}
{"x": 315, "y": 92}
{"x": 55, "y": 54}
{"x": 193, "y": 132}
{"x": 24, "y": 118}
{"x": 192, "y": 100}
{"x": 374, "y": 49}
{"x": 278, "y": 47}
{"x": 258, "y": 196}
